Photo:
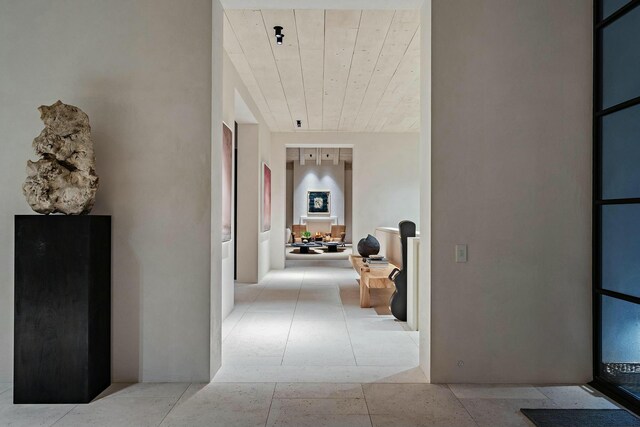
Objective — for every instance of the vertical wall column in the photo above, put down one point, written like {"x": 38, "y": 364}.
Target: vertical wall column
{"x": 424, "y": 285}
{"x": 249, "y": 202}
{"x": 215, "y": 285}
{"x": 511, "y": 177}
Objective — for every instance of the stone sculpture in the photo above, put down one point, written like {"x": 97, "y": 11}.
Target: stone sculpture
{"x": 368, "y": 246}
{"x": 64, "y": 179}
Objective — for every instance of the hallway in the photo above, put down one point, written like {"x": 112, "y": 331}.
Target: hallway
{"x": 310, "y": 317}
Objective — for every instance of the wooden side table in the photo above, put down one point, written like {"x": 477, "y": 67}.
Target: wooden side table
{"x": 376, "y": 278}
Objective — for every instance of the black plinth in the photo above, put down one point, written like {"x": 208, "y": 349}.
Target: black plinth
{"x": 62, "y": 347}
{"x": 331, "y": 247}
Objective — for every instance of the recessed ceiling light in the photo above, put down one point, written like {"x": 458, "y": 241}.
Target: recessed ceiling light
{"x": 279, "y": 35}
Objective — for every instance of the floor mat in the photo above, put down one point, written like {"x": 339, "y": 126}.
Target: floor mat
{"x": 581, "y": 417}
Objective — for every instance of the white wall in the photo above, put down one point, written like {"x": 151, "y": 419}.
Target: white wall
{"x": 142, "y": 71}
{"x": 511, "y": 169}
{"x": 254, "y": 147}
{"x": 215, "y": 286}
{"x": 390, "y": 244}
{"x": 289, "y": 195}
{"x": 388, "y": 162}
{"x": 348, "y": 201}
{"x": 248, "y": 202}
{"x": 312, "y": 177}
{"x": 424, "y": 269}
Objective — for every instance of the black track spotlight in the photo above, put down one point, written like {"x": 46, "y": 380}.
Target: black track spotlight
{"x": 279, "y": 35}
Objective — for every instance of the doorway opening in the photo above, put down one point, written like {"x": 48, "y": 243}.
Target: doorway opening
{"x": 342, "y": 84}
{"x": 318, "y": 200}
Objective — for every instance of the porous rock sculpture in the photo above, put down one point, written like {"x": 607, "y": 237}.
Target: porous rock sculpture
{"x": 64, "y": 179}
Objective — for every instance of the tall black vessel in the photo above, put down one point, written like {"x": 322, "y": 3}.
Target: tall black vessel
{"x": 398, "y": 302}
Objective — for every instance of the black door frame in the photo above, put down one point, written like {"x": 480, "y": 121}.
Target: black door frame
{"x": 599, "y": 382}
{"x": 235, "y": 200}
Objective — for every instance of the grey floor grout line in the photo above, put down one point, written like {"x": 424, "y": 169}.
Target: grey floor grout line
{"x": 65, "y": 414}
{"x": 174, "y": 405}
{"x": 266, "y": 421}
{"x": 346, "y": 325}
{"x": 245, "y": 311}
{"x": 286, "y": 343}
{"x": 364, "y": 396}
{"x": 463, "y": 405}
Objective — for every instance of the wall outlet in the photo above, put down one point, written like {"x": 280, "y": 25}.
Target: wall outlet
{"x": 461, "y": 253}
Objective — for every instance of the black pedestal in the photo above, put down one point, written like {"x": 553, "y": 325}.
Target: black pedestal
{"x": 62, "y": 351}
{"x": 332, "y": 247}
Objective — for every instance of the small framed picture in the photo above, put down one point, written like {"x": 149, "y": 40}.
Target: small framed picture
{"x": 318, "y": 202}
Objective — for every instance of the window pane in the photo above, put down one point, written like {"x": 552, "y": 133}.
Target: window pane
{"x": 610, "y": 6}
{"x": 621, "y": 154}
{"x": 620, "y": 361}
{"x": 621, "y": 248}
{"x": 621, "y": 59}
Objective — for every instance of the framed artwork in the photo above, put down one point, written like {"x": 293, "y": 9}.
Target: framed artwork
{"x": 318, "y": 202}
{"x": 227, "y": 181}
{"x": 266, "y": 197}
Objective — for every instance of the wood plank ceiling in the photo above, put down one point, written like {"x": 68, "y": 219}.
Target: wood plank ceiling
{"x": 337, "y": 70}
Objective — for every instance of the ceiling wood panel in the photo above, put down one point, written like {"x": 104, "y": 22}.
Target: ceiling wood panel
{"x": 402, "y": 30}
{"x": 287, "y": 56}
{"x": 341, "y": 30}
{"x": 310, "y": 32}
{"x": 374, "y": 26}
{"x": 404, "y": 83}
{"x": 238, "y": 59}
{"x": 248, "y": 26}
{"x": 347, "y": 70}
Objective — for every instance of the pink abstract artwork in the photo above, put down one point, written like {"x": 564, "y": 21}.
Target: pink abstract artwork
{"x": 227, "y": 181}
{"x": 266, "y": 198}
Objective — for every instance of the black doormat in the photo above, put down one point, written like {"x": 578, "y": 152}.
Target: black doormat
{"x": 581, "y": 417}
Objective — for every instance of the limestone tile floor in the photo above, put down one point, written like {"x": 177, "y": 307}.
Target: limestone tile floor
{"x": 304, "y": 404}
{"x": 305, "y": 324}
{"x": 299, "y": 351}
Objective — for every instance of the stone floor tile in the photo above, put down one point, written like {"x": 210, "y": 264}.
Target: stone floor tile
{"x": 29, "y": 415}
{"x": 430, "y": 403}
{"x": 160, "y": 390}
{"x": 495, "y": 391}
{"x": 318, "y": 391}
{"x": 503, "y": 412}
{"x": 579, "y": 397}
{"x": 222, "y": 405}
{"x": 321, "y": 420}
{"x": 119, "y": 411}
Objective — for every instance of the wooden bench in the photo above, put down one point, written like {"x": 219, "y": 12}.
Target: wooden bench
{"x": 371, "y": 278}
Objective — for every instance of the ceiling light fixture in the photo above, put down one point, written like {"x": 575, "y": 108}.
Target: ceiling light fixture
{"x": 279, "y": 35}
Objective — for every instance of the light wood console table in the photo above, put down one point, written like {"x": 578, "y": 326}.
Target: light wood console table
{"x": 376, "y": 278}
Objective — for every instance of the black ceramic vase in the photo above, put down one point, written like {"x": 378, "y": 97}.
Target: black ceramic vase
{"x": 368, "y": 246}
{"x": 398, "y": 302}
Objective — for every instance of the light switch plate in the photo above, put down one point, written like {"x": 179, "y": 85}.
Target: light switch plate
{"x": 461, "y": 253}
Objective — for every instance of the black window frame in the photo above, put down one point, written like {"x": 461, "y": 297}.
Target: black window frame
{"x": 613, "y": 391}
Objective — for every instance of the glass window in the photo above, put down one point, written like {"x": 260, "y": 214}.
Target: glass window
{"x": 621, "y": 59}
{"x": 621, "y": 248}
{"x": 610, "y": 6}
{"x": 621, "y": 154}
{"x": 620, "y": 358}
